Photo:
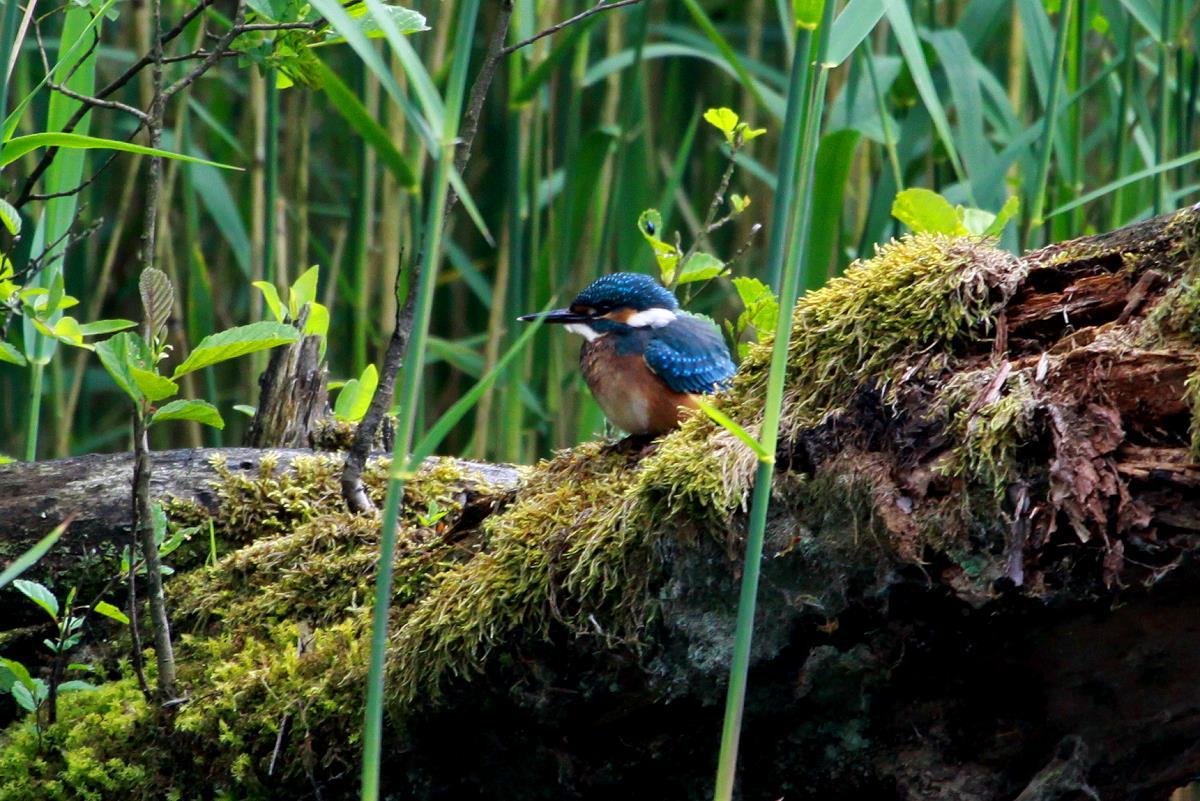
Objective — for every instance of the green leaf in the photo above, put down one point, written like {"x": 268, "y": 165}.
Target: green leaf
{"x": 367, "y": 384}
{"x": 75, "y": 685}
{"x": 700, "y": 267}
{"x": 117, "y": 353}
{"x": 158, "y": 299}
{"x": 200, "y": 411}
{"x": 20, "y": 145}
{"x": 730, "y": 425}
{"x": 271, "y": 298}
{"x": 10, "y": 217}
{"x": 105, "y": 327}
{"x": 236, "y": 342}
{"x": 110, "y": 611}
{"x": 976, "y": 221}
{"x": 405, "y": 20}
{"x": 807, "y": 13}
{"x": 724, "y": 120}
{"x": 30, "y": 557}
{"x": 318, "y": 322}
{"x": 355, "y": 397}
{"x": 39, "y": 595}
{"x": 303, "y": 291}
{"x": 19, "y": 672}
{"x": 346, "y": 399}
{"x": 24, "y": 697}
{"x": 10, "y": 354}
{"x": 761, "y": 305}
{"x": 667, "y": 256}
{"x": 925, "y": 211}
{"x": 245, "y": 409}
{"x": 153, "y": 386}
{"x": 346, "y": 103}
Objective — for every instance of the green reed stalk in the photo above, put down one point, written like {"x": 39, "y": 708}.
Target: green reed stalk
{"x": 410, "y": 396}
{"x": 271, "y": 179}
{"x": 1164, "y": 107}
{"x": 1038, "y": 207}
{"x": 801, "y": 132}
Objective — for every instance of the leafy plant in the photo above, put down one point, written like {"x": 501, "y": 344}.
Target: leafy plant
{"x": 34, "y": 694}
{"x": 675, "y": 265}
{"x": 927, "y": 212}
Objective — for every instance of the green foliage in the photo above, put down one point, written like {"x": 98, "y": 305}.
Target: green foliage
{"x": 355, "y": 395}
{"x": 927, "y": 212}
{"x": 235, "y": 342}
{"x": 728, "y": 123}
{"x": 102, "y": 747}
{"x": 18, "y": 146}
{"x": 197, "y": 410}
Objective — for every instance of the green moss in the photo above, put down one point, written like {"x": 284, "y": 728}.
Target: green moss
{"x": 573, "y": 549}
{"x": 307, "y": 679}
{"x": 101, "y": 747}
{"x": 988, "y": 435}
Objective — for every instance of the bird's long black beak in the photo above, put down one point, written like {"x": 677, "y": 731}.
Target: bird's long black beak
{"x": 555, "y": 316}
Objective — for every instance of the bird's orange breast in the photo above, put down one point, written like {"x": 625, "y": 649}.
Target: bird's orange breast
{"x": 631, "y": 395}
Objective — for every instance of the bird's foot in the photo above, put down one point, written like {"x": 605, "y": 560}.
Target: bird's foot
{"x": 635, "y": 446}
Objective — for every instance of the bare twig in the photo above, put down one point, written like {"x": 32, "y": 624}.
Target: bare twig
{"x": 596, "y": 9}
{"x": 198, "y": 54}
{"x": 219, "y": 48}
{"x": 711, "y": 223}
{"x": 125, "y": 77}
{"x": 96, "y": 102}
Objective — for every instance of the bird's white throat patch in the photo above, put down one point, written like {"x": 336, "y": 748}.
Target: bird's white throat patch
{"x": 584, "y": 330}
{"x": 651, "y": 318}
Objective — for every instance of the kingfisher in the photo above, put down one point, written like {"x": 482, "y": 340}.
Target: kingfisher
{"x": 643, "y": 358}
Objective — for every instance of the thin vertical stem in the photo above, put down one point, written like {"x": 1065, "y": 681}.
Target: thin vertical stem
{"x": 802, "y": 125}
{"x": 270, "y": 178}
{"x": 438, "y": 206}
{"x": 1035, "y": 220}
{"x": 1164, "y": 107}
{"x": 36, "y": 370}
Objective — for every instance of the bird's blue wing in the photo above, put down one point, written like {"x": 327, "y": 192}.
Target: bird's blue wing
{"x": 690, "y": 355}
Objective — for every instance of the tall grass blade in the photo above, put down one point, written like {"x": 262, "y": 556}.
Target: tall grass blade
{"x": 409, "y": 397}
{"x": 793, "y": 209}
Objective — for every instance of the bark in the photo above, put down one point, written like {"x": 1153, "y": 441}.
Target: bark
{"x": 294, "y": 395}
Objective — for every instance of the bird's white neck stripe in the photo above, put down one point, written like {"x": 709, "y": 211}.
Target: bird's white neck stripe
{"x": 651, "y": 318}
{"x": 584, "y": 330}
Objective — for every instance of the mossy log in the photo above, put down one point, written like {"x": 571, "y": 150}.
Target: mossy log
{"x": 94, "y": 491}
{"x": 980, "y": 582}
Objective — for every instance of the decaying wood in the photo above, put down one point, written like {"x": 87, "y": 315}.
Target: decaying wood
{"x": 96, "y": 488}
{"x": 293, "y": 395}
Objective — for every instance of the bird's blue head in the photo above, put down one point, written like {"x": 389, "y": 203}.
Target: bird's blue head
{"x": 613, "y": 303}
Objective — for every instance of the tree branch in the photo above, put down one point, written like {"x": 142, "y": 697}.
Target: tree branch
{"x": 596, "y": 9}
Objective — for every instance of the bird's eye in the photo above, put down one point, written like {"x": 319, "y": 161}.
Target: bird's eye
{"x": 650, "y": 228}
{"x": 601, "y": 309}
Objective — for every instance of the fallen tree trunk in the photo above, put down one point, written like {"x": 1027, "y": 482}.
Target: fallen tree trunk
{"x": 981, "y": 580}
{"x": 95, "y": 491}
